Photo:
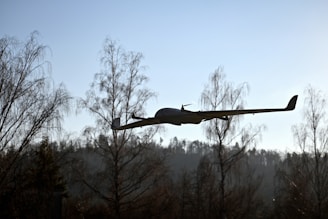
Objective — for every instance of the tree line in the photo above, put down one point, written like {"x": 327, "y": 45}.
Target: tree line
{"x": 127, "y": 174}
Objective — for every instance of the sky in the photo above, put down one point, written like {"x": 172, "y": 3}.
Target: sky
{"x": 277, "y": 47}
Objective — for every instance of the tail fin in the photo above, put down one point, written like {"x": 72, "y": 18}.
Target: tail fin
{"x": 116, "y": 123}
{"x": 292, "y": 103}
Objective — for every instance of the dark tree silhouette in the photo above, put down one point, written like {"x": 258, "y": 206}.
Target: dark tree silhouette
{"x": 220, "y": 95}
{"x": 38, "y": 183}
{"x": 30, "y": 104}
{"x": 132, "y": 167}
{"x": 304, "y": 177}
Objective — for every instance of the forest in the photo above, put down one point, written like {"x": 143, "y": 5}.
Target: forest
{"x": 128, "y": 174}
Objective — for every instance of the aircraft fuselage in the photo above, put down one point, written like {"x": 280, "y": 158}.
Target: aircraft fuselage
{"x": 177, "y": 116}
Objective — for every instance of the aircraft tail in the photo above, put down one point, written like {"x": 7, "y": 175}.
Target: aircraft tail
{"x": 133, "y": 116}
{"x": 292, "y": 103}
{"x": 116, "y": 123}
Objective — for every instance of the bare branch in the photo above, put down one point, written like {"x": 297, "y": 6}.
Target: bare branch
{"x": 29, "y": 103}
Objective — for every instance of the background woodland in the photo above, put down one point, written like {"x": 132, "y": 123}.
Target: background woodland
{"x": 128, "y": 174}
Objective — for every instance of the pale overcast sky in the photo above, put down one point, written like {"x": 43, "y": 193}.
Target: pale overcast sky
{"x": 277, "y": 47}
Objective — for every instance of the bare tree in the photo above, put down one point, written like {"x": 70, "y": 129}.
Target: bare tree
{"x": 29, "y": 102}
{"x": 119, "y": 91}
{"x": 312, "y": 138}
{"x": 222, "y": 95}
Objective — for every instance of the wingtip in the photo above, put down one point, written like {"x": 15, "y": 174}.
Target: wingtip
{"x": 292, "y": 103}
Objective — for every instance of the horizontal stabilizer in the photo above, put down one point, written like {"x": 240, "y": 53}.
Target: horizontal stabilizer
{"x": 136, "y": 117}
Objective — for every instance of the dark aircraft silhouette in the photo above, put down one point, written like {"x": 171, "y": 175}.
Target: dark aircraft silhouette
{"x": 182, "y": 116}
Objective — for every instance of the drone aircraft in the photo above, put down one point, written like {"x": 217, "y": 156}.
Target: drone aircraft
{"x": 183, "y": 116}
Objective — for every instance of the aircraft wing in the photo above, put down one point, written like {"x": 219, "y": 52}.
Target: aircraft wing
{"x": 148, "y": 121}
{"x": 224, "y": 113}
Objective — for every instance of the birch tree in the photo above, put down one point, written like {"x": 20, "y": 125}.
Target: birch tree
{"x": 219, "y": 94}
{"x": 30, "y": 104}
{"x": 304, "y": 180}
{"x": 132, "y": 167}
